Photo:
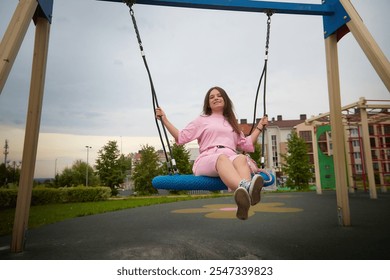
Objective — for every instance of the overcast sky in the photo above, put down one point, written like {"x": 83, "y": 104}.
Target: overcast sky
{"x": 97, "y": 88}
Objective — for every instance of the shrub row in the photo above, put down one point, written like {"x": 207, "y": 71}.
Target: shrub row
{"x": 42, "y": 196}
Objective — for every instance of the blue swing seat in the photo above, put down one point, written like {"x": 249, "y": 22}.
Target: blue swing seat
{"x": 192, "y": 182}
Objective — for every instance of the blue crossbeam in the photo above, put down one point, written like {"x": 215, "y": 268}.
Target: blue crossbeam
{"x": 244, "y": 6}
{"x": 45, "y": 9}
{"x": 334, "y": 15}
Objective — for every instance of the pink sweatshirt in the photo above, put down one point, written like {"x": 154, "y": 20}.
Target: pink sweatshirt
{"x": 211, "y": 131}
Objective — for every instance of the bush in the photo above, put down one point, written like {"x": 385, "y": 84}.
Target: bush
{"x": 42, "y": 196}
{"x": 84, "y": 194}
{"x": 8, "y": 198}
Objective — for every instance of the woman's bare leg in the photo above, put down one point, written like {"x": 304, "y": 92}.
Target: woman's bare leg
{"x": 232, "y": 173}
{"x": 228, "y": 172}
{"x": 241, "y": 165}
{"x": 232, "y": 176}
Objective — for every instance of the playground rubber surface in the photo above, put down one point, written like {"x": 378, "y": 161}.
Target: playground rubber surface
{"x": 284, "y": 226}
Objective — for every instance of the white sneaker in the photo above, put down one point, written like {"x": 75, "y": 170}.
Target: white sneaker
{"x": 241, "y": 196}
{"x": 255, "y": 187}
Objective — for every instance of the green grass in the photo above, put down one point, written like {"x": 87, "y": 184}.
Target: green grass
{"x": 47, "y": 214}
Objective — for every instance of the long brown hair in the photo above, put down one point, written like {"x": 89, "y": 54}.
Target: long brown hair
{"x": 228, "y": 110}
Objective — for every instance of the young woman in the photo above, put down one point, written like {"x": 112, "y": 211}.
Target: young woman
{"x": 218, "y": 135}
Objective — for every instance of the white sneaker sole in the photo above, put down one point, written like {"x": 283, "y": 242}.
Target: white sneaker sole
{"x": 243, "y": 201}
{"x": 256, "y": 185}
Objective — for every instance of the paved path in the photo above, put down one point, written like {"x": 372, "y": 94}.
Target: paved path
{"x": 284, "y": 226}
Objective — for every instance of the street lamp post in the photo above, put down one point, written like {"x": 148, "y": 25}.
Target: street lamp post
{"x": 86, "y": 173}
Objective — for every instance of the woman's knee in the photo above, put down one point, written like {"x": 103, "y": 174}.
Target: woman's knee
{"x": 222, "y": 158}
{"x": 240, "y": 160}
{"x": 221, "y": 162}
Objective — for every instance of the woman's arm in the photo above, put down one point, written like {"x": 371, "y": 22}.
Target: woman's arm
{"x": 171, "y": 128}
{"x": 259, "y": 128}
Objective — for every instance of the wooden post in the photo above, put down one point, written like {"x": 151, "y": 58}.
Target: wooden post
{"x": 337, "y": 130}
{"x": 348, "y": 157}
{"x": 32, "y": 134}
{"x": 316, "y": 161}
{"x": 13, "y": 37}
{"x": 367, "y": 43}
{"x": 378, "y": 130}
{"x": 367, "y": 151}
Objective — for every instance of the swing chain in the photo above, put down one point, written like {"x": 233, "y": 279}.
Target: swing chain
{"x": 171, "y": 163}
{"x": 269, "y": 14}
{"x": 136, "y": 29}
{"x": 263, "y": 74}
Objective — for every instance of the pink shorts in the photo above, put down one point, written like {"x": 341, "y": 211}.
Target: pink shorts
{"x": 205, "y": 164}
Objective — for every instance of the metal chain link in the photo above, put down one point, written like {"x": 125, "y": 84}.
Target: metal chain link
{"x": 269, "y": 14}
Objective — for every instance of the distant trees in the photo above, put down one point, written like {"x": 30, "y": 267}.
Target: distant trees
{"x": 297, "y": 165}
{"x": 256, "y": 155}
{"x": 110, "y": 170}
{"x": 111, "y": 166}
{"x": 150, "y": 166}
{"x": 76, "y": 176}
{"x": 182, "y": 157}
{"x": 145, "y": 170}
{"x": 9, "y": 174}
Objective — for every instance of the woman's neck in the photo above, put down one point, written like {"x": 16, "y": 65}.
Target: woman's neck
{"x": 217, "y": 112}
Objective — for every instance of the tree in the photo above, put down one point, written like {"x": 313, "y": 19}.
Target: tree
{"x": 9, "y": 174}
{"x": 145, "y": 170}
{"x": 125, "y": 163}
{"x": 297, "y": 165}
{"x": 256, "y": 155}
{"x": 3, "y": 175}
{"x": 76, "y": 175}
{"x": 109, "y": 166}
{"x": 182, "y": 157}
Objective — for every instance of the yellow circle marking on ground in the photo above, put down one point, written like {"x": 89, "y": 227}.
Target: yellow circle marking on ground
{"x": 228, "y": 211}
